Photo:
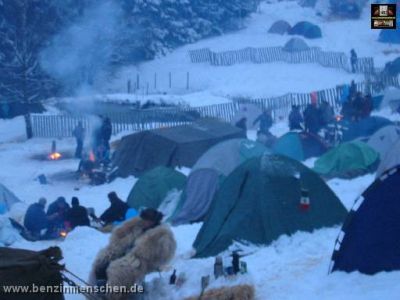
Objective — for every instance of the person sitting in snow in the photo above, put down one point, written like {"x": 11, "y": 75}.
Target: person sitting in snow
{"x": 36, "y": 220}
{"x": 138, "y": 247}
{"x": 59, "y": 209}
{"x": 295, "y": 118}
{"x": 116, "y": 211}
{"x": 77, "y": 215}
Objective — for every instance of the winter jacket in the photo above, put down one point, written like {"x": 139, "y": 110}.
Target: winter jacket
{"x": 132, "y": 253}
{"x": 79, "y": 133}
{"x": 327, "y": 114}
{"x": 241, "y": 124}
{"x": 78, "y": 216}
{"x": 106, "y": 131}
{"x": 265, "y": 122}
{"x": 295, "y": 120}
{"x": 116, "y": 212}
{"x": 312, "y": 119}
{"x": 35, "y": 218}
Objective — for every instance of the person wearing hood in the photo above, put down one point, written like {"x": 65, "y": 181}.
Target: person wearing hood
{"x": 36, "y": 220}
{"x": 77, "y": 215}
{"x": 116, "y": 211}
{"x": 138, "y": 247}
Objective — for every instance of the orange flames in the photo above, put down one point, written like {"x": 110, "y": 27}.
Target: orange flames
{"x": 55, "y": 156}
{"x": 63, "y": 234}
{"x": 339, "y": 118}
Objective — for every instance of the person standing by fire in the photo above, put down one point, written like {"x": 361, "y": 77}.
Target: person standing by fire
{"x": 106, "y": 131}
{"x": 79, "y": 134}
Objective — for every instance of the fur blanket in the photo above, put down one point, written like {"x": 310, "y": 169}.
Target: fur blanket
{"x": 238, "y": 292}
{"x": 133, "y": 252}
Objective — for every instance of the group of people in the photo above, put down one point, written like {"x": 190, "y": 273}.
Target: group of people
{"x": 99, "y": 154}
{"x": 60, "y": 216}
{"x": 357, "y": 106}
{"x": 313, "y": 119}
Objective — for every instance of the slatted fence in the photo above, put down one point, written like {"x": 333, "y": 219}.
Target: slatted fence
{"x": 274, "y": 54}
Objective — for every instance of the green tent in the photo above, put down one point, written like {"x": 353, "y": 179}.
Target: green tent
{"x": 152, "y": 187}
{"x": 261, "y": 200}
{"x": 347, "y": 160}
{"x": 299, "y": 146}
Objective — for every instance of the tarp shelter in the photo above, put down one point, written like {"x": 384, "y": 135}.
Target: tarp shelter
{"x": 369, "y": 240}
{"x": 392, "y": 68}
{"x": 262, "y": 200}
{"x": 391, "y": 98}
{"x": 203, "y": 182}
{"x": 296, "y": 45}
{"x": 248, "y": 111}
{"x": 306, "y": 29}
{"x": 347, "y": 160}
{"x": 384, "y": 139}
{"x": 7, "y": 199}
{"x": 153, "y": 186}
{"x": 176, "y": 146}
{"x": 363, "y": 128}
{"x": 280, "y": 27}
{"x": 299, "y": 146}
{"x": 390, "y": 159}
{"x": 20, "y": 267}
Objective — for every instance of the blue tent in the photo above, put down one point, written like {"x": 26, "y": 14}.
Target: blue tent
{"x": 369, "y": 241}
{"x": 363, "y": 128}
{"x": 306, "y": 29}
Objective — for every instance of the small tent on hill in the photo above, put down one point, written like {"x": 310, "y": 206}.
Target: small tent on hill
{"x": 368, "y": 241}
{"x": 296, "y": 45}
{"x": 153, "y": 186}
{"x": 348, "y": 160}
{"x": 280, "y": 27}
{"x": 264, "y": 198}
{"x": 384, "y": 139}
{"x": 299, "y": 146}
{"x": 390, "y": 159}
{"x": 391, "y": 98}
{"x": 363, "y": 128}
{"x": 7, "y": 199}
{"x": 176, "y": 146}
{"x": 204, "y": 180}
{"x": 306, "y": 29}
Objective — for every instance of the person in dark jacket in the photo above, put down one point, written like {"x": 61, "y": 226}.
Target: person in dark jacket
{"x": 312, "y": 119}
{"x": 116, "y": 211}
{"x": 58, "y": 208}
{"x": 106, "y": 131}
{"x": 77, "y": 215}
{"x": 36, "y": 220}
{"x": 79, "y": 134}
{"x": 353, "y": 60}
{"x": 327, "y": 114}
{"x": 295, "y": 118}
{"x": 265, "y": 120}
{"x": 358, "y": 104}
{"x": 367, "y": 106}
{"x": 242, "y": 124}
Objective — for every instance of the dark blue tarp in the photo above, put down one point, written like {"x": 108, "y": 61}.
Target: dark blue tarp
{"x": 369, "y": 241}
{"x": 363, "y": 128}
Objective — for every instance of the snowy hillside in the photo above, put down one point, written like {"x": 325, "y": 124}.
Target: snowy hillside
{"x": 262, "y": 80}
{"x": 294, "y": 267}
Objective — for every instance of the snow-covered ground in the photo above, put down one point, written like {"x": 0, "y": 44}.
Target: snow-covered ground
{"x": 293, "y": 267}
{"x": 264, "y": 80}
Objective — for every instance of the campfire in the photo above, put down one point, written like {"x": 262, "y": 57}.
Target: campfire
{"x": 63, "y": 233}
{"x": 54, "y": 155}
